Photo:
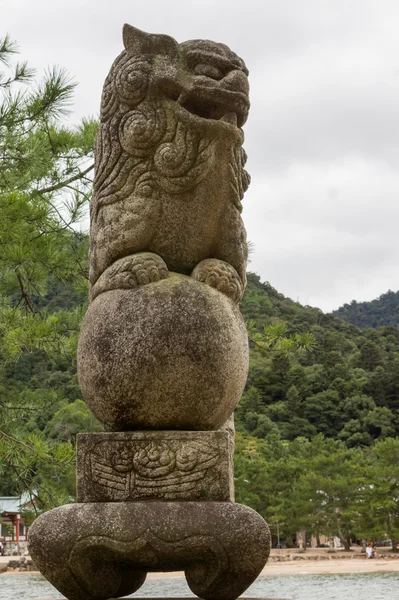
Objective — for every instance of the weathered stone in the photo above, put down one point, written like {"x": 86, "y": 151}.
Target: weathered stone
{"x": 159, "y": 349}
{"x": 108, "y": 548}
{"x": 170, "y": 355}
{"x": 163, "y": 465}
{"x": 169, "y": 164}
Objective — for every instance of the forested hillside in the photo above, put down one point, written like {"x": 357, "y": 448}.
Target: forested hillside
{"x": 317, "y": 427}
{"x": 317, "y": 424}
{"x": 346, "y": 387}
{"x": 377, "y": 313}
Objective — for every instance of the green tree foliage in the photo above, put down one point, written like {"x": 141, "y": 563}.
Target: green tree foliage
{"x": 70, "y": 420}
{"x": 322, "y": 486}
{"x": 44, "y": 188}
{"x": 316, "y": 428}
{"x": 377, "y": 313}
{"x": 45, "y": 184}
{"x": 312, "y": 373}
{"x": 380, "y": 508}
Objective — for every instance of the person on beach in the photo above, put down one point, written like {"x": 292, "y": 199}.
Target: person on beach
{"x": 1, "y": 548}
{"x": 369, "y": 550}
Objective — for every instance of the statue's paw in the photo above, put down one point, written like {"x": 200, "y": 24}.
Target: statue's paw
{"x": 221, "y": 276}
{"x": 131, "y": 272}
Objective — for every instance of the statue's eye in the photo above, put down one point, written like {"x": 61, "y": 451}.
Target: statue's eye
{"x": 208, "y": 71}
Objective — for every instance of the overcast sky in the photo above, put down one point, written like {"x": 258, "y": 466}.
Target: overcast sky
{"x": 323, "y": 132}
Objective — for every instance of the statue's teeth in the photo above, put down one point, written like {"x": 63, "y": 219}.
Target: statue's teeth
{"x": 230, "y": 117}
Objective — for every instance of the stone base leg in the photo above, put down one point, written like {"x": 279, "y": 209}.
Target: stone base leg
{"x": 97, "y": 551}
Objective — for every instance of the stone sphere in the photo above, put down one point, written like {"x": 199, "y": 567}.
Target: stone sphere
{"x": 168, "y": 355}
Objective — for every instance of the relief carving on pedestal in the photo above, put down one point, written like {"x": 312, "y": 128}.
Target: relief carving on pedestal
{"x": 122, "y": 467}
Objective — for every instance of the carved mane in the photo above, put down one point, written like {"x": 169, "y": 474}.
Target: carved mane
{"x": 166, "y": 122}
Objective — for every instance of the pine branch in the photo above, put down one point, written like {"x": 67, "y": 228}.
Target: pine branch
{"x": 27, "y": 485}
{"x": 25, "y": 295}
{"x": 15, "y": 440}
{"x": 61, "y": 184}
{"x": 7, "y": 47}
{"x": 51, "y": 98}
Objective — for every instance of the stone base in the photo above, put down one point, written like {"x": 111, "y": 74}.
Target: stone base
{"x": 104, "y": 550}
{"x": 154, "y": 465}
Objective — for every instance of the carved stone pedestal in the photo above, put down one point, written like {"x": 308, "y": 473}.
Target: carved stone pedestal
{"x": 104, "y": 550}
{"x": 154, "y": 465}
{"x": 151, "y": 501}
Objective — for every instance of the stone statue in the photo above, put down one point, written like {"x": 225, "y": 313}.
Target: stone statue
{"x": 170, "y": 166}
{"x": 167, "y": 202}
{"x": 163, "y": 351}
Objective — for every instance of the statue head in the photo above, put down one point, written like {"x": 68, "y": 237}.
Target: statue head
{"x": 199, "y": 77}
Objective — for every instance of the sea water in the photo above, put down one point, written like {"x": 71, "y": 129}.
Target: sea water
{"x": 378, "y": 586}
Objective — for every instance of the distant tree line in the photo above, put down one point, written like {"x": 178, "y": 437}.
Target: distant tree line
{"x": 383, "y": 311}
{"x": 321, "y": 486}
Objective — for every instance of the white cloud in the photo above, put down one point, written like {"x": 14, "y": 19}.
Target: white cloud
{"x": 329, "y": 230}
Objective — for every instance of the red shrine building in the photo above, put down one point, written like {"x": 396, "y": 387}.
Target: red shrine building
{"x": 13, "y": 527}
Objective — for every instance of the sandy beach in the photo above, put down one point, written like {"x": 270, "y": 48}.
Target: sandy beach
{"x": 316, "y": 567}
{"x": 299, "y": 565}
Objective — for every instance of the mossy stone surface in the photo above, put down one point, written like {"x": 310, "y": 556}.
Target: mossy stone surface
{"x": 169, "y": 355}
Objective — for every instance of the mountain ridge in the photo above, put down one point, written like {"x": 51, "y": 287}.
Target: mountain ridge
{"x": 382, "y": 311}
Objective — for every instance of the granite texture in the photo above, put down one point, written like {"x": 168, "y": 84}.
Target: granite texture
{"x": 108, "y": 548}
{"x": 170, "y": 355}
{"x": 169, "y": 163}
{"x": 158, "y": 348}
{"x": 163, "y": 465}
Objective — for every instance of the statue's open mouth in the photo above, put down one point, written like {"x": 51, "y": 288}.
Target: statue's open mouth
{"x": 215, "y": 110}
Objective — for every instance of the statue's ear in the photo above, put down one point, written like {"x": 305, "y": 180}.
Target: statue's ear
{"x": 140, "y": 42}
